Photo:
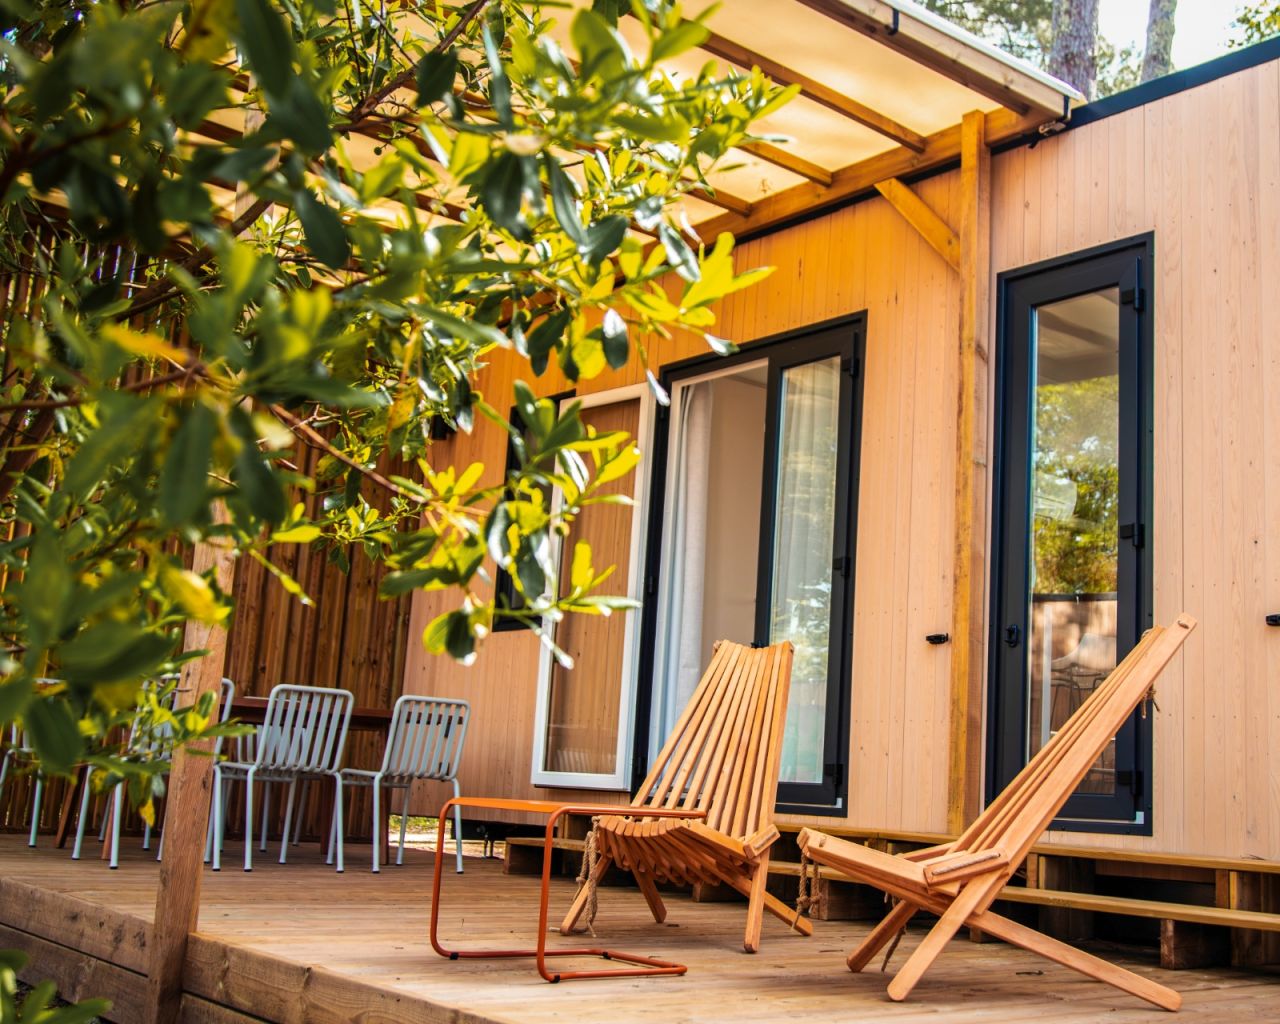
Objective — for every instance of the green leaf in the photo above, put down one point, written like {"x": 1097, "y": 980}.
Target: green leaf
{"x": 266, "y": 43}
{"x": 436, "y": 73}
{"x": 13, "y": 697}
{"x": 614, "y": 336}
{"x": 685, "y": 36}
{"x": 599, "y": 46}
{"x": 459, "y": 641}
{"x": 499, "y": 86}
{"x": 679, "y": 254}
{"x": 299, "y": 114}
{"x": 546, "y": 336}
{"x": 495, "y": 533}
{"x": 183, "y": 480}
{"x": 603, "y": 237}
{"x": 54, "y": 733}
{"x": 564, "y": 201}
{"x": 502, "y": 192}
{"x": 261, "y": 489}
{"x": 326, "y": 237}
{"x": 46, "y": 590}
{"x": 109, "y": 652}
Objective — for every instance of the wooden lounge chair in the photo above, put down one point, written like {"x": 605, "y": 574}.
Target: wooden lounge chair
{"x": 722, "y": 758}
{"x": 959, "y": 881}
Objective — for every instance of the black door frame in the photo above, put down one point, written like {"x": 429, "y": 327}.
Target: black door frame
{"x": 1127, "y": 265}
{"x": 791, "y": 348}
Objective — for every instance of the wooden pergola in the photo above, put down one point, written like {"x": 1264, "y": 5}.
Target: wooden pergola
{"x": 887, "y": 93}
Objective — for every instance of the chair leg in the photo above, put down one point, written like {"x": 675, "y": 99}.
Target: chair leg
{"x": 377, "y": 821}
{"x": 248, "y": 823}
{"x": 649, "y": 889}
{"x": 951, "y": 921}
{"x": 457, "y": 828}
{"x": 83, "y": 821}
{"x": 775, "y": 906}
{"x": 1078, "y": 960}
{"x": 404, "y": 824}
{"x": 35, "y": 808}
{"x": 337, "y": 817}
{"x": 219, "y": 821}
{"x": 146, "y": 836}
{"x": 580, "y": 901}
{"x": 266, "y": 817}
{"x": 755, "y": 905}
{"x": 297, "y": 823}
{"x": 288, "y": 819}
{"x": 117, "y": 814}
{"x": 893, "y": 923}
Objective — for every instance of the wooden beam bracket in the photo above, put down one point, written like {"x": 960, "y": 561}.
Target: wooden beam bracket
{"x": 921, "y": 216}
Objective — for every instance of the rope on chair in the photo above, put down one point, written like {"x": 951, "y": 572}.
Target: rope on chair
{"x": 808, "y": 885}
{"x": 587, "y": 876}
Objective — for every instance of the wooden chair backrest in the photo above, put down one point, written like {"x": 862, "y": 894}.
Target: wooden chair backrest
{"x": 1027, "y": 806}
{"x": 724, "y": 753}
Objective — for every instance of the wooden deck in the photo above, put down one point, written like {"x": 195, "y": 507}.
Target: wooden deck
{"x": 300, "y": 944}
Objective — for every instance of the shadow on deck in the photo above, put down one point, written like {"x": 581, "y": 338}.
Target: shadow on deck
{"x": 299, "y": 944}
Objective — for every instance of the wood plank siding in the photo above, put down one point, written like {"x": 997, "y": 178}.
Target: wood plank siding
{"x": 1201, "y": 170}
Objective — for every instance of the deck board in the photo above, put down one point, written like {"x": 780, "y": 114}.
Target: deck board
{"x": 301, "y": 943}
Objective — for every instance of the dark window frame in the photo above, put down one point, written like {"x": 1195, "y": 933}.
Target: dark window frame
{"x": 1128, "y": 264}
{"x": 783, "y": 350}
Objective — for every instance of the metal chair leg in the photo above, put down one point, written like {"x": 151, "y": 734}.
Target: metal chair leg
{"x": 377, "y": 815}
{"x": 404, "y": 823}
{"x": 118, "y": 803}
{"x": 337, "y": 816}
{"x": 35, "y": 808}
{"x": 457, "y": 828}
{"x": 248, "y": 822}
{"x": 288, "y": 819}
{"x": 219, "y": 809}
{"x": 83, "y": 821}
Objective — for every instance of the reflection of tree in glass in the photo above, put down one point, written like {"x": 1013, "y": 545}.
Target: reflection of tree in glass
{"x": 1077, "y": 442}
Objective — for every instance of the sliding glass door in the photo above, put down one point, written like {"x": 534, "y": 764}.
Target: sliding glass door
{"x": 753, "y": 538}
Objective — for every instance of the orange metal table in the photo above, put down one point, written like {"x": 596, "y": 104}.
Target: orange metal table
{"x": 553, "y": 812}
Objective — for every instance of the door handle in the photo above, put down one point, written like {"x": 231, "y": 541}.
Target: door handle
{"x": 1012, "y": 635}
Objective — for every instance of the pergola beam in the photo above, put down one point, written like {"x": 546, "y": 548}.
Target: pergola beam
{"x": 848, "y": 183}
{"x": 927, "y": 44}
{"x": 788, "y": 161}
{"x": 811, "y": 88}
{"x": 921, "y": 216}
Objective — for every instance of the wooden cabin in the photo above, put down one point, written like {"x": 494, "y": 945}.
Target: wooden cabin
{"x": 1004, "y": 403}
{"x": 1008, "y": 399}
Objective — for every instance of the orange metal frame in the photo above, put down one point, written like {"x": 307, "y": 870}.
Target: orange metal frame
{"x": 553, "y": 812}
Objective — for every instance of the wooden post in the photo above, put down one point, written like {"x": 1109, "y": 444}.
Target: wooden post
{"x": 967, "y": 662}
{"x": 186, "y": 811}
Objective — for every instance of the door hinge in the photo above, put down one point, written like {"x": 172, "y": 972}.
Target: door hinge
{"x": 843, "y": 565}
{"x": 835, "y": 772}
{"x": 851, "y": 366}
{"x": 1135, "y": 533}
{"x": 1135, "y": 297}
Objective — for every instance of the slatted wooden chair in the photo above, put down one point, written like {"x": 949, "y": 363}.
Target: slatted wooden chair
{"x": 959, "y": 881}
{"x": 722, "y": 758}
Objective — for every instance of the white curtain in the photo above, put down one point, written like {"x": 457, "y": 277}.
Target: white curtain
{"x": 804, "y": 525}
{"x": 678, "y": 664}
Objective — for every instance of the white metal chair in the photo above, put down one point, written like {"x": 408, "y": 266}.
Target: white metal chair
{"x": 303, "y": 736}
{"x": 143, "y": 747}
{"x": 18, "y": 748}
{"x": 424, "y": 742}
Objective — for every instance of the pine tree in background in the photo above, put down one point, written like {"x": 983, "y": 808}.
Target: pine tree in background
{"x": 1158, "y": 60}
{"x": 1073, "y": 53}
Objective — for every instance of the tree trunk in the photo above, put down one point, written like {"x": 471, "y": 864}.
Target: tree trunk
{"x": 1073, "y": 56}
{"x": 1158, "y": 59}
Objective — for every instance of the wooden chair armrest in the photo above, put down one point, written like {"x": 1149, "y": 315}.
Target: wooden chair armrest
{"x": 964, "y": 865}
{"x": 757, "y": 844}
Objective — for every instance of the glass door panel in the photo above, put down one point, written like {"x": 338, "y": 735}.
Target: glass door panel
{"x": 1072, "y": 573}
{"x": 1074, "y": 523}
{"x": 804, "y": 531}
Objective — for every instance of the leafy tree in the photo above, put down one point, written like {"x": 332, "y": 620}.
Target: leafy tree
{"x": 1256, "y": 22}
{"x": 1020, "y": 27}
{"x": 253, "y": 224}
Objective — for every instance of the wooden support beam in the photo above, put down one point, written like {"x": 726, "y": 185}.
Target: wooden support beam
{"x": 925, "y": 43}
{"x": 187, "y": 812}
{"x": 725, "y": 200}
{"x": 968, "y": 572}
{"x": 811, "y": 88}
{"x": 921, "y": 216}
{"x": 788, "y": 161}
